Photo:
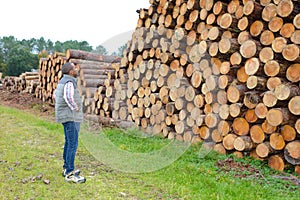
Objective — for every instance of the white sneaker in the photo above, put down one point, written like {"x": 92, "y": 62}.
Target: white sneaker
{"x": 75, "y": 178}
{"x": 64, "y": 173}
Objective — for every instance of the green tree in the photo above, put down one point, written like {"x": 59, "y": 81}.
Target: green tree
{"x": 58, "y": 46}
{"x": 41, "y": 44}
{"x": 100, "y": 49}
{"x": 2, "y": 63}
{"x": 20, "y": 56}
{"x": 84, "y": 45}
{"x": 31, "y": 44}
{"x": 50, "y": 46}
{"x": 20, "y": 60}
{"x": 6, "y": 44}
{"x": 72, "y": 44}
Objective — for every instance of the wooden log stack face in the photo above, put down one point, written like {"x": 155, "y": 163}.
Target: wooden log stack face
{"x": 223, "y": 72}
{"x": 49, "y": 75}
{"x": 209, "y": 62}
{"x": 27, "y": 82}
{"x": 99, "y": 78}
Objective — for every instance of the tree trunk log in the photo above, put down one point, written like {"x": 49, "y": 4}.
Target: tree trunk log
{"x": 263, "y": 150}
{"x": 292, "y": 152}
{"x": 243, "y": 143}
{"x": 228, "y": 141}
{"x": 276, "y": 162}
{"x": 257, "y": 134}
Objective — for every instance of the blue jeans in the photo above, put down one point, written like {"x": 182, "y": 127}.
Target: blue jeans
{"x": 71, "y": 130}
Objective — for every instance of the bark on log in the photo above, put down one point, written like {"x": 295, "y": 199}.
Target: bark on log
{"x": 292, "y": 152}
{"x": 78, "y": 54}
{"x": 294, "y": 105}
{"x": 243, "y": 143}
{"x": 228, "y": 141}
{"x": 288, "y": 133}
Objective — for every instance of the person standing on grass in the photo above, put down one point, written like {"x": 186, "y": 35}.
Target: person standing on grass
{"x": 68, "y": 111}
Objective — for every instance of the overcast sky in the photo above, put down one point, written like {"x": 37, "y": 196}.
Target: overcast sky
{"x": 94, "y": 21}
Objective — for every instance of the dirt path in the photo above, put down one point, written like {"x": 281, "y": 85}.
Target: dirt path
{"x": 28, "y": 102}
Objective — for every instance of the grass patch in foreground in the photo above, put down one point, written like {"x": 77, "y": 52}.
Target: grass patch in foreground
{"x": 214, "y": 176}
{"x": 31, "y": 150}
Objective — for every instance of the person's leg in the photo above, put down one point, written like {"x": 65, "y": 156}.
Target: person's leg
{"x": 72, "y": 130}
{"x": 65, "y": 146}
{"x": 71, "y": 134}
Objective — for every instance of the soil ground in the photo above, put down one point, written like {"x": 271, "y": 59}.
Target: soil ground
{"x": 26, "y": 101}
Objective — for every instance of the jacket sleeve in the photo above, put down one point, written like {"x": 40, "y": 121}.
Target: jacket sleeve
{"x": 69, "y": 96}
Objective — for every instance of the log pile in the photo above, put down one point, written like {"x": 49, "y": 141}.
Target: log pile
{"x": 9, "y": 83}
{"x": 30, "y": 81}
{"x": 101, "y": 82}
{"x": 49, "y": 75}
{"x": 99, "y": 75}
{"x": 27, "y": 82}
{"x": 225, "y": 72}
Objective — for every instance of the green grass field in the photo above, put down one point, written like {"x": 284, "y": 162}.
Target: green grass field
{"x": 31, "y": 165}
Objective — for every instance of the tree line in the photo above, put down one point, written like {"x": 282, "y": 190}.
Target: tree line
{"x": 18, "y": 56}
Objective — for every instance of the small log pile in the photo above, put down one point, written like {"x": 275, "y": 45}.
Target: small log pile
{"x": 31, "y": 81}
{"x": 27, "y": 82}
{"x": 9, "y": 83}
{"x": 224, "y": 72}
{"x": 49, "y": 75}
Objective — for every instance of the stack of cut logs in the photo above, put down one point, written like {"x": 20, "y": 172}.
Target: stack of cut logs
{"x": 223, "y": 72}
{"x": 9, "y": 83}
{"x": 49, "y": 75}
{"x": 97, "y": 74}
{"x": 99, "y": 79}
{"x": 26, "y": 82}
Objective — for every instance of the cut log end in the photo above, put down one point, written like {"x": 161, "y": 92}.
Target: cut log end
{"x": 276, "y": 162}
{"x": 240, "y": 126}
{"x": 292, "y": 152}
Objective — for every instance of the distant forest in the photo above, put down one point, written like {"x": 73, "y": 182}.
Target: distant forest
{"x": 18, "y": 56}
